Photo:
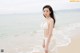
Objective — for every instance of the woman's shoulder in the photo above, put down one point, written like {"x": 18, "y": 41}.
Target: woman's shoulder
{"x": 50, "y": 21}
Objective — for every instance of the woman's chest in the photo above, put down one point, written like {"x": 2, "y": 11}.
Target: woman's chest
{"x": 44, "y": 25}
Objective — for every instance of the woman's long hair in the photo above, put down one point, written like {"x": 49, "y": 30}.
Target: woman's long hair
{"x": 51, "y": 10}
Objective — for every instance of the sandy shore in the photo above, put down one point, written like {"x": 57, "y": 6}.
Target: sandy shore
{"x": 74, "y": 47}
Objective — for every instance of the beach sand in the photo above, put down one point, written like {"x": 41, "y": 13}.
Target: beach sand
{"x": 74, "y": 47}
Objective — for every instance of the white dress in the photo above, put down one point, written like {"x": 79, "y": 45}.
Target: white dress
{"x": 57, "y": 40}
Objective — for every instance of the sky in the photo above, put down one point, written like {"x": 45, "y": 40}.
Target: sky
{"x": 32, "y": 6}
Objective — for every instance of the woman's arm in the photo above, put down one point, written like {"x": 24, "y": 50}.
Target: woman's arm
{"x": 49, "y": 33}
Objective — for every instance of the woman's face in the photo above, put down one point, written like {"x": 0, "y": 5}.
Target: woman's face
{"x": 46, "y": 12}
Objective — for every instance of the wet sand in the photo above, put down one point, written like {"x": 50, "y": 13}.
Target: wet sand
{"x": 74, "y": 47}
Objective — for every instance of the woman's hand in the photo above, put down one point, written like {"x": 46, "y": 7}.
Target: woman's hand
{"x": 43, "y": 44}
{"x": 46, "y": 49}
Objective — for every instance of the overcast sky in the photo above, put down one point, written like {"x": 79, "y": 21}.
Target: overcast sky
{"x": 30, "y": 6}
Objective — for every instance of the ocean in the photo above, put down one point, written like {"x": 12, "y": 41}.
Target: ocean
{"x": 17, "y": 24}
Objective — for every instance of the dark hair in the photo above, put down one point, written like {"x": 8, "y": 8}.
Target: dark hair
{"x": 51, "y": 10}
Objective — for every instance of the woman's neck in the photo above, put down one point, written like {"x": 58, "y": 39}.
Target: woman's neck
{"x": 48, "y": 17}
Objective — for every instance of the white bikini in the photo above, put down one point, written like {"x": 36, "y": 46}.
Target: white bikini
{"x": 44, "y": 25}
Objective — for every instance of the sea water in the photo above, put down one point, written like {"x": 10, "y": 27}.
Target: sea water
{"x": 16, "y": 24}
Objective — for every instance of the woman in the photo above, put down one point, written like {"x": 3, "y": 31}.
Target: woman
{"x": 48, "y": 26}
{"x": 50, "y": 38}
